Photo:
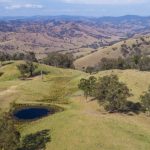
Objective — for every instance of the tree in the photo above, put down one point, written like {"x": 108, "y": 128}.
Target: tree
{"x": 83, "y": 85}
{"x": 92, "y": 85}
{"x": 90, "y": 69}
{"x": 18, "y": 56}
{"x": 144, "y": 64}
{"x": 23, "y": 68}
{"x": 112, "y": 93}
{"x": 31, "y": 67}
{"x": 59, "y": 60}
{"x": 106, "y": 64}
{"x": 145, "y": 100}
{"x": 4, "y": 57}
{"x": 30, "y": 57}
{"x": 88, "y": 86}
{"x": 9, "y": 136}
{"x": 136, "y": 59}
{"x": 27, "y": 68}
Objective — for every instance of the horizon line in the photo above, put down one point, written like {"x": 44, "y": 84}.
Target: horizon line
{"x": 28, "y": 16}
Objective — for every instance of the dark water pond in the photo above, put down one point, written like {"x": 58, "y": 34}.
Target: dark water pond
{"x": 32, "y": 113}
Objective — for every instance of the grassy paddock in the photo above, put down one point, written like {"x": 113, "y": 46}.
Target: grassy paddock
{"x": 82, "y": 125}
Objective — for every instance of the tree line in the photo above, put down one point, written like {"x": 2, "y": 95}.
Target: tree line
{"x": 53, "y": 59}
{"x": 139, "y": 62}
{"x": 113, "y": 94}
{"x": 59, "y": 60}
{"x": 4, "y": 56}
{"x": 27, "y": 69}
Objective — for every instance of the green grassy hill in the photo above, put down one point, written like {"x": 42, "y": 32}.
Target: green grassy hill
{"x": 35, "y": 89}
{"x": 82, "y": 125}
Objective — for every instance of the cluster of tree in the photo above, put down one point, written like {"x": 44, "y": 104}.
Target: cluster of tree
{"x": 53, "y": 59}
{"x": 139, "y": 62}
{"x": 26, "y": 69}
{"x": 119, "y": 63}
{"x": 6, "y": 56}
{"x": 17, "y": 56}
{"x": 10, "y": 138}
{"x": 59, "y": 60}
{"x": 3, "y": 57}
{"x": 113, "y": 94}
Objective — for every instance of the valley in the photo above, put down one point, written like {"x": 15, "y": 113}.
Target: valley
{"x": 68, "y": 34}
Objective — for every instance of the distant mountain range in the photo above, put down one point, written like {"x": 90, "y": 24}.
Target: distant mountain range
{"x": 73, "y": 18}
{"x": 68, "y": 34}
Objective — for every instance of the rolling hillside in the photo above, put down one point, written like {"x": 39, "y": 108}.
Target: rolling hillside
{"x": 14, "y": 89}
{"x": 81, "y": 125}
{"x": 125, "y": 48}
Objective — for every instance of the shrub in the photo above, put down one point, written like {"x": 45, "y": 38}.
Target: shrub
{"x": 1, "y": 73}
{"x": 35, "y": 141}
{"x": 145, "y": 100}
{"x": 9, "y": 136}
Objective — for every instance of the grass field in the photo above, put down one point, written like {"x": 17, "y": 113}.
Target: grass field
{"x": 82, "y": 125}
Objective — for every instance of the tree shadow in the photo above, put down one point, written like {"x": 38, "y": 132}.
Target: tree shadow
{"x": 130, "y": 107}
{"x": 25, "y": 79}
{"x": 91, "y": 100}
{"x": 133, "y": 107}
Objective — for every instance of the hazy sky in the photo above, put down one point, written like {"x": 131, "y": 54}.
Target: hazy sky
{"x": 74, "y": 7}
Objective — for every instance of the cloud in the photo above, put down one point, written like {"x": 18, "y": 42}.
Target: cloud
{"x": 104, "y": 1}
{"x": 19, "y": 6}
{"x": 5, "y": 1}
{"x": 2, "y": 1}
